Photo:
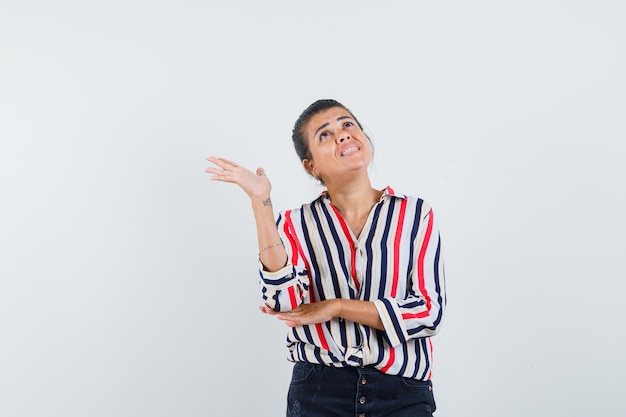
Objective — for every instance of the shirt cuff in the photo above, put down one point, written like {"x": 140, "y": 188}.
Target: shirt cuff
{"x": 277, "y": 279}
{"x": 393, "y": 323}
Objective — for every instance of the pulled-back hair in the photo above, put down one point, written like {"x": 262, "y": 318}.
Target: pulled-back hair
{"x": 300, "y": 141}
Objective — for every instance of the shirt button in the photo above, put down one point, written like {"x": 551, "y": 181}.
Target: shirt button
{"x": 355, "y": 246}
{"x": 363, "y": 381}
{"x": 362, "y": 400}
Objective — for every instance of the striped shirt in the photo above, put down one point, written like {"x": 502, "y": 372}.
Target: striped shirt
{"x": 395, "y": 262}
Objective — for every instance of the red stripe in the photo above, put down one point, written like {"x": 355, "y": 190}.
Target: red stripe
{"x": 432, "y": 358}
{"x": 392, "y": 358}
{"x": 421, "y": 315}
{"x": 396, "y": 249}
{"x": 288, "y": 228}
{"x": 297, "y": 249}
{"x": 320, "y": 334}
{"x": 348, "y": 235}
{"x": 292, "y": 297}
{"x": 420, "y": 262}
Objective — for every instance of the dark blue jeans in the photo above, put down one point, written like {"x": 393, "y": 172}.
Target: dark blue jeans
{"x": 324, "y": 391}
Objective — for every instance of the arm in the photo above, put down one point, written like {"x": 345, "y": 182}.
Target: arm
{"x": 284, "y": 285}
{"x": 420, "y": 313}
{"x": 363, "y": 312}
{"x": 257, "y": 186}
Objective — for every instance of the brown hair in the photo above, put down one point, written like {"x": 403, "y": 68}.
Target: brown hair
{"x": 300, "y": 142}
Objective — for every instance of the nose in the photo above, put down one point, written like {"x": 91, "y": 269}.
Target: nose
{"x": 343, "y": 136}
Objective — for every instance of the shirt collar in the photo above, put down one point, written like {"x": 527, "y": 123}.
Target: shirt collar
{"x": 388, "y": 192}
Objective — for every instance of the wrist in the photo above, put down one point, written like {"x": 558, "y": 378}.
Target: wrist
{"x": 339, "y": 309}
{"x": 261, "y": 200}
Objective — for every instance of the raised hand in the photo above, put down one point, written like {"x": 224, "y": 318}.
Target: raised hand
{"x": 256, "y": 185}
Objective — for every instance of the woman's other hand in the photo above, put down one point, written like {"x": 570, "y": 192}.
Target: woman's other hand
{"x": 310, "y": 313}
{"x": 256, "y": 185}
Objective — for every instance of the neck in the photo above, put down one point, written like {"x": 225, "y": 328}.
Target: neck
{"x": 354, "y": 198}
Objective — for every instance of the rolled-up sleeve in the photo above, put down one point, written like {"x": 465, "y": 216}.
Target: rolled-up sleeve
{"x": 285, "y": 289}
{"x": 421, "y": 312}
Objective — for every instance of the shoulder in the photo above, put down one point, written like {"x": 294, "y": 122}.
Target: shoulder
{"x": 390, "y": 194}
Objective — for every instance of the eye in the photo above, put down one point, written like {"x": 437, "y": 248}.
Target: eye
{"x": 348, "y": 123}
{"x": 323, "y": 136}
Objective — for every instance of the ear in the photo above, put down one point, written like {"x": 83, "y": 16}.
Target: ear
{"x": 309, "y": 167}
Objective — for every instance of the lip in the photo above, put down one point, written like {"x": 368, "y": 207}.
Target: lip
{"x": 349, "y": 150}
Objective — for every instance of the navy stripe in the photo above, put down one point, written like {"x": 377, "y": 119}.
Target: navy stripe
{"x": 394, "y": 319}
{"x": 277, "y": 281}
{"x": 318, "y": 281}
{"x": 426, "y": 358}
{"x": 342, "y": 333}
{"x": 313, "y": 275}
{"x": 438, "y": 285}
{"x": 343, "y": 263}
{"x": 414, "y": 229}
{"x": 418, "y": 355}
{"x": 385, "y": 246}
{"x": 307, "y": 333}
{"x": 317, "y": 229}
{"x": 367, "y": 281}
{"x": 279, "y": 219}
{"x": 357, "y": 334}
{"x": 413, "y": 304}
{"x": 405, "y": 359}
{"x": 380, "y": 340}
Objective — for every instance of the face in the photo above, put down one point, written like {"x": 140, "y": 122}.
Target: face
{"x": 337, "y": 144}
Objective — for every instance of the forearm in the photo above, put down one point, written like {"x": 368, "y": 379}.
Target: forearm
{"x": 272, "y": 253}
{"x": 363, "y": 312}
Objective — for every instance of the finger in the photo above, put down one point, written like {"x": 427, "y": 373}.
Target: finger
{"x": 260, "y": 171}
{"x": 267, "y": 310}
{"x": 282, "y": 317}
{"x": 222, "y": 178}
{"x": 218, "y": 175}
{"x": 214, "y": 171}
{"x": 225, "y": 161}
{"x": 289, "y": 321}
{"x": 229, "y": 162}
{"x": 288, "y": 315}
{"x": 222, "y": 162}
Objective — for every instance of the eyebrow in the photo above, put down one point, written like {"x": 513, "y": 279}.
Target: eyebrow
{"x": 327, "y": 124}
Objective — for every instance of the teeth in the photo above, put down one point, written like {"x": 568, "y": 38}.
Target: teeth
{"x": 349, "y": 150}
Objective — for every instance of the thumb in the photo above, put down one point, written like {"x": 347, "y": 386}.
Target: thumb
{"x": 260, "y": 171}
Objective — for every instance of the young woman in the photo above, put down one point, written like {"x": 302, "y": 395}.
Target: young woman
{"x": 356, "y": 274}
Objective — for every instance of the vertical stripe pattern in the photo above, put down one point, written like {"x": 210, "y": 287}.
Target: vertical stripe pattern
{"x": 395, "y": 263}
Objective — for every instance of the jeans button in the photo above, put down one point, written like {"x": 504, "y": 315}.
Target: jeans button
{"x": 363, "y": 381}
{"x": 362, "y": 400}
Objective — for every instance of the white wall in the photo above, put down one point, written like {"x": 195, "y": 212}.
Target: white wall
{"x": 128, "y": 281}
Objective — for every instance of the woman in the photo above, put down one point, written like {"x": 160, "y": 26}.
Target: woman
{"x": 356, "y": 274}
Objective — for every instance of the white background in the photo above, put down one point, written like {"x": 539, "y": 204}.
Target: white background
{"x": 128, "y": 282}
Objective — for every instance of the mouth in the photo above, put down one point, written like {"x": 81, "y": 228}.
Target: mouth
{"x": 350, "y": 150}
